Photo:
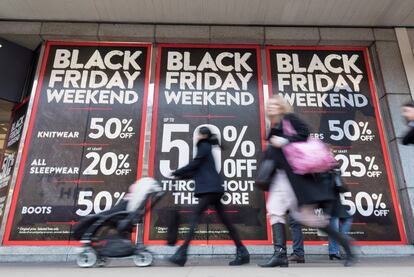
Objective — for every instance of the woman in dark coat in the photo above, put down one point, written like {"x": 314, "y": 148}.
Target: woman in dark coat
{"x": 408, "y": 113}
{"x": 289, "y": 192}
{"x": 209, "y": 190}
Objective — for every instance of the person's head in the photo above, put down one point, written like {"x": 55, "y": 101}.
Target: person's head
{"x": 408, "y": 111}
{"x": 277, "y": 107}
{"x": 204, "y": 133}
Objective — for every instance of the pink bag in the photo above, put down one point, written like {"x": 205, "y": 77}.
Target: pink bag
{"x": 311, "y": 156}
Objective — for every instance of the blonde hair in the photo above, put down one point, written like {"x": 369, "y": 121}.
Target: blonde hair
{"x": 287, "y": 108}
{"x": 282, "y": 101}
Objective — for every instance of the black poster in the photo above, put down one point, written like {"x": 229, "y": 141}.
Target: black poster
{"x": 85, "y": 139}
{"x": 10, "y": 153}
{"x": 332, "y": 89}
{"x": 219, "y": 87}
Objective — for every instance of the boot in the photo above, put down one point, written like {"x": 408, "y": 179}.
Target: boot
{"x": 180, "y": 257}
{"x": 279, "y": 258}
{"x": 296, "y": 258}
{"x": 242, "y": 256}
{"x": 344, "y": 242}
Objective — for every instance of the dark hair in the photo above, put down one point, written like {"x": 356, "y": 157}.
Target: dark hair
{"x": 409, "y": 104}
{"x": 212, "y": 138}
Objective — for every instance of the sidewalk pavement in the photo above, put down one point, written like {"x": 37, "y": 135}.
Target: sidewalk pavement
{"x": 316, "y": 265}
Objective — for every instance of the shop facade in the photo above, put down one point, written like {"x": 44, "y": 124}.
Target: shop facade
{"x": 113, "y": 102}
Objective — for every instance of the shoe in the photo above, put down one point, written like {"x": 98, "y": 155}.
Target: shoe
{"x": 180, "y": 257}
{"x": 350, "y": 260}
{"x": 296, "y": 258}
{"x": 335, "y": 257}
{"x": 344, "y": 242}
{"x": 242, "y": 256}
{"x": 279, "y": 257}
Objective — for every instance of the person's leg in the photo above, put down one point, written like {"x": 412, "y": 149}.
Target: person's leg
{"x": 234, "y": 235}
{"x": 307, "y": 216}
{"x": 298, "y": 254}
{"x": 203, "y": 203}
{"x": 343, "y": 241}
{"x": 242, "y": 255}
{"x": 173, "y": 225}
{"x": 333, "y": 247}
{"x": 345, "y": 225}
{"x": 281, "y": 198}
{"x": 180, "y": 256}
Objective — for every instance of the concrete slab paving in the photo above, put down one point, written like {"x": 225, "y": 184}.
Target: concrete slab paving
{"x": 207, "y": 267}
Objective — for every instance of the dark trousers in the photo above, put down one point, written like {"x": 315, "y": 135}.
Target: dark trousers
{"x": 204, "y": 201}
{"x": 297, "y": 237}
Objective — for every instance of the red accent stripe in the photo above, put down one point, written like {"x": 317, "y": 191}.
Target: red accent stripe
{"x": 322, "y": 111}
{"x": 91, "y": 109}
{"x": 83, "y": 144}
{"x": 153, "y": 140}
{"x": 79, "y": 181}
{"x": 209, "y": 116}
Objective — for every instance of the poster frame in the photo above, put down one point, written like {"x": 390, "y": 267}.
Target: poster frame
{"x": 379, "y": 120}
{"x": 32, "y": 110}
{"x": 160, "y": 46}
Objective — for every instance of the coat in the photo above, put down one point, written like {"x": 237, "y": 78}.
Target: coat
{"x": 308, "y": 188}
{"x": 335, "y": 208}
{"x": 203, "y": 170}
{"x": 409, "y": 137}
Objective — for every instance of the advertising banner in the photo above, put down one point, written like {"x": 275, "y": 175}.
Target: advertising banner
{"x": 84, "y": 145}
{"x": 10, "y": 153}
{"x": 218, "y": 86}
{"x": 332, "y": 89}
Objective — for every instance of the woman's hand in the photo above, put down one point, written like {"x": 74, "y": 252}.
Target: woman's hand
{"x": 278, "y": 142}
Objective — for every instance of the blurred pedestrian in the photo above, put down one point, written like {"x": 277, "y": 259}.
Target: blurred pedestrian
{"x": 340, "y": 219}
{"x": 298, "y": 194}
{"x": 408, "y": 113}
{"x": 209, "y": 190}
{"x": 298, "y": 246}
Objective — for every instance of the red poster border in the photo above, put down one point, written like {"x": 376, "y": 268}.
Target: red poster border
{"x": 384, "y": 147}
{"x": 6, "y": 240}
{"x": 154, "y": 130}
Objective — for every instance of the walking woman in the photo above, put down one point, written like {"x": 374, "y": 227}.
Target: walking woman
{"x": 289, "y": 192}
{"x": 209, "y": 190}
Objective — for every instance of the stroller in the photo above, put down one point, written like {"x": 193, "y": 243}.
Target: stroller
{"x": 109, "y": 234}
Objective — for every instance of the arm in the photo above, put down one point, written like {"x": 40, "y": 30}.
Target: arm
{"x": 188, "y": 170}
{"x": 302, "y": 130}
{"x": 409, "y": 137}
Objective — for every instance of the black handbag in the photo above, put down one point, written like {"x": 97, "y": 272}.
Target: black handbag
{"x": 265, "y": 174}
{"x": 339, "y": 183}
